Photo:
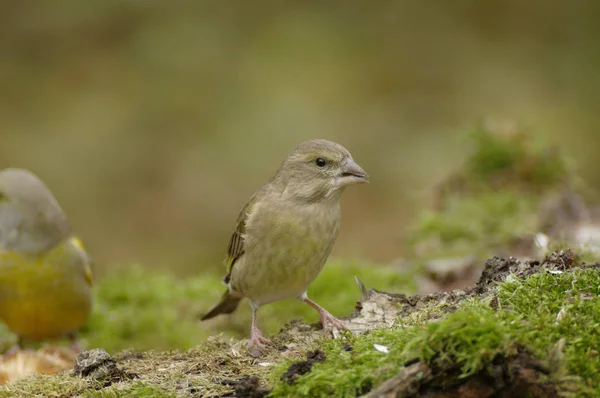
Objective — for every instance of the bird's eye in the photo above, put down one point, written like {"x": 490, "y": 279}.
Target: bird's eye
{"x": 320, "y": 162}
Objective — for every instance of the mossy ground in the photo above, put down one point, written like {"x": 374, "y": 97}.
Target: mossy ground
{"x": 162, "y": 314}
{"x": 472, "y": 337}
{"x": 536, "y": 313}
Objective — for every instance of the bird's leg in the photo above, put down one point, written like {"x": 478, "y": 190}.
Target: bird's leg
{"x": 256, "y": 335}
{"x": 327, "y": 320}
{"x": 75, "y": 346}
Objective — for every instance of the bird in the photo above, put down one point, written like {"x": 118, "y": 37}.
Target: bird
{"x": 45, "y": 270}
{"x": 285, "y": 232}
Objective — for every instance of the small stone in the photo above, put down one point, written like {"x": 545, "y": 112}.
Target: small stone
{"x": 381, "y": 348}
{"x": 98, "y": 365}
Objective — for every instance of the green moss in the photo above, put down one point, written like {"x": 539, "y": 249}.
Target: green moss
{"x": 515, "y": 159}
{"x": 471, "y": 337}
{"x": 481, "y": 223}
{"x": 147, "y": 309}
{"x": 348, "y": 373}
{"x": 533, "y": 306}
{"x": 490, "y": 154}
{"x": 493, "y": 201}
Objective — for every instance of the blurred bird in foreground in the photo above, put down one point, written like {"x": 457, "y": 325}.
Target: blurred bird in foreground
{"x": 45, "y": 274}
{"x": 285, "y": 232}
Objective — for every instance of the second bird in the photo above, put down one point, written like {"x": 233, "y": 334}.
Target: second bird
{"x": 286, "y": 231}
{"x": 45, "y": 273}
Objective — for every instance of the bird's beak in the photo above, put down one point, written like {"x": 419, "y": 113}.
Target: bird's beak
{"x": 352, "y": 173}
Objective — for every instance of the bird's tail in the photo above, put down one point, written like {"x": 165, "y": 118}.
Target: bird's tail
{"x": 227, "y": 305}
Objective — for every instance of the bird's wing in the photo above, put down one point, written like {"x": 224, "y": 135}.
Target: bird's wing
{"x": 236, "y": 243}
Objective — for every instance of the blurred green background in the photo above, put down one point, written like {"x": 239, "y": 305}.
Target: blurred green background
{"x": 154, "y": 121}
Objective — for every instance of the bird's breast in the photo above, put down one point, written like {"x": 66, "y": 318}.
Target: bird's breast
{"x": 285, "y": 249}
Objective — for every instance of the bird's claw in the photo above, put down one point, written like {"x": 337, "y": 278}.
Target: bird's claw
{"x": 257, "y": 339}
{"x": 330, "y": 322}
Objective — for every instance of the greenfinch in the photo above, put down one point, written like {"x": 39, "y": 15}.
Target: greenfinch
{"x": 45, "y": 273}
{"x": 286, "y": 231}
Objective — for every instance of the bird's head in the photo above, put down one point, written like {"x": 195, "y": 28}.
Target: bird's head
{"x": 318, "y": 170}
{"x": 31, "y": 219}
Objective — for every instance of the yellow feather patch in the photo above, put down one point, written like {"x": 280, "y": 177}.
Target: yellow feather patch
{"x": 87, "y": 269}
{"x": 229, "y": 263}
{"x": 77, "y": 243}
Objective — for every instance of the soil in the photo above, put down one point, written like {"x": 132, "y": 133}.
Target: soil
{"x": 248, "y": 387}
{"x": 297, "y": 369}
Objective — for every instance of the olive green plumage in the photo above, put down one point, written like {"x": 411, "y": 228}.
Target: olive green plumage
{"x": 286, "y": 231}
{"x": 45, "y": 274}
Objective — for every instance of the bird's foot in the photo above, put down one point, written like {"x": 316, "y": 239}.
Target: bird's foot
{"x": 257, "y": 339}
{"x": 330, "y": 322}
